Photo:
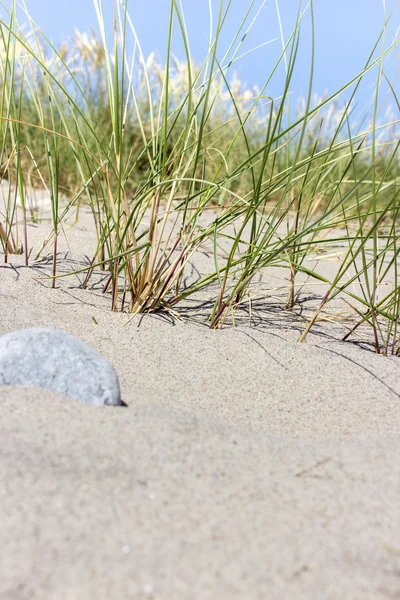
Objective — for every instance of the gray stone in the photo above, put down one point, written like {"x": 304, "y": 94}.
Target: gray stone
{"x": 55, "y": 360}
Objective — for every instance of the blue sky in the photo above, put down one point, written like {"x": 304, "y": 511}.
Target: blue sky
{"x": 345, "y": 33}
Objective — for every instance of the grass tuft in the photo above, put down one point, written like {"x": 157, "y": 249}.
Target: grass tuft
{"x": 173, "y": 156}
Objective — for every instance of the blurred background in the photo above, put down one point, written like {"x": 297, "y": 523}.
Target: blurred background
{"x": 345, "y": 34}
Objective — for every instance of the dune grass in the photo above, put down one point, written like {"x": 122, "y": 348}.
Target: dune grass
{"x": 174, "y": 155}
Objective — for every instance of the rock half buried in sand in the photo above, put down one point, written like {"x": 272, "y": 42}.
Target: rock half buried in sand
{"x": 57, "y": 361}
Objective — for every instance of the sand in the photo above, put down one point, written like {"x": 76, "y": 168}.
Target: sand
{"x": 246, "y": 465}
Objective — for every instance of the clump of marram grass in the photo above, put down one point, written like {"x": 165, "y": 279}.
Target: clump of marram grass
{"x": 152, "y": 145}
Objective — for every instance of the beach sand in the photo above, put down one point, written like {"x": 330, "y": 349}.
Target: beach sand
{"x": 246, "y": 465}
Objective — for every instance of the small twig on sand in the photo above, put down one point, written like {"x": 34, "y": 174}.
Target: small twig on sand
{"x": 317, "y": 464}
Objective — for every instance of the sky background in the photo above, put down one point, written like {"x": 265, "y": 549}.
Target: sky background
{"x": 346, "y": 31}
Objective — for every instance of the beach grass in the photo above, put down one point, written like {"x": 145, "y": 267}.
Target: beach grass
{"x": 174, "y": 155}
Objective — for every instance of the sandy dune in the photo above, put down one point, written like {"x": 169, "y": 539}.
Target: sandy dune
{"x": 246, "y": 466}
